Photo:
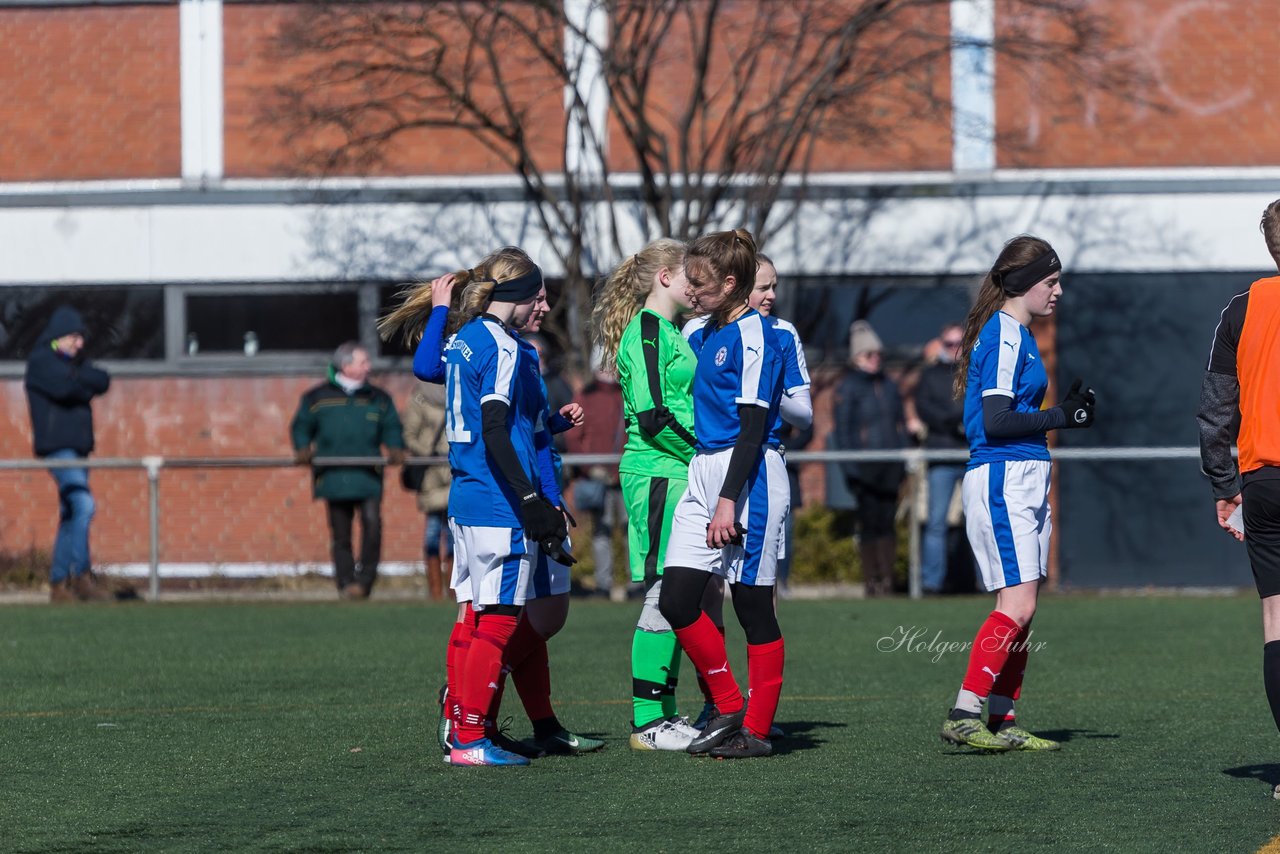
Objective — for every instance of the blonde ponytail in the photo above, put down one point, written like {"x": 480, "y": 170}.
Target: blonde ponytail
{"x": 472, "y": 290}
{"x": 623, "y": 293}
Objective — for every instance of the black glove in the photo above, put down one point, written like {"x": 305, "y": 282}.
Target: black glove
{"x": 1077, "y": 406}
{"x": 555, "y": 550}
{"x": 544, "y": 524}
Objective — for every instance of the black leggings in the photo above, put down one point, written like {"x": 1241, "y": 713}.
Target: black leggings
{"x": 681, "y": 603}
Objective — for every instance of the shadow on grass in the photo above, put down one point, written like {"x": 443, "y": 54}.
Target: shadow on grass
{"x": 800, "y": 735}
{"x": 1062, "y": 736}
{"x": 1269, "y": 774}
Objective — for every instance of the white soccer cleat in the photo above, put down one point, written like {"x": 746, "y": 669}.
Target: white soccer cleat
{"x": 663, "y": 735}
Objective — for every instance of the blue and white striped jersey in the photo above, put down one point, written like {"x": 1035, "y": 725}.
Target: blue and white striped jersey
{"x": 1005, "y": 361}
{"x": 483, "y": 362}
{"x": 795, "y": 374}
{"x": 742, "y": 363}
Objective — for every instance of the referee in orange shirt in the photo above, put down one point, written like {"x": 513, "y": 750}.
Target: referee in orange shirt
{"x": 1241, "y": 394}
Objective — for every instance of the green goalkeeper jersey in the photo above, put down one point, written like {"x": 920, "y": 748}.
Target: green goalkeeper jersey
{"x": 655, "y": 368}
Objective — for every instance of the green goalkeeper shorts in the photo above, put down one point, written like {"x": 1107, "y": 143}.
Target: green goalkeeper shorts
{"x": 651, "y": 503}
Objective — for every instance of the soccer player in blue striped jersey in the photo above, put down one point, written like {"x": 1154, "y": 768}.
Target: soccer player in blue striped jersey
{"x": 729, "y": 522}
{"x": 546, "y": 605}
{"x": 1006, "y": 484}
{"x": 500, "y": 519}
{"x": 796, "y": 409}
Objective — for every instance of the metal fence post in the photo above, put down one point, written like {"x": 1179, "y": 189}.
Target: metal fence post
{"x": 153, "y": 466}
{"x": 919, "y": 468}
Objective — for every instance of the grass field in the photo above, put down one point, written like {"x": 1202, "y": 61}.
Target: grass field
{"x": 308, "y": 727}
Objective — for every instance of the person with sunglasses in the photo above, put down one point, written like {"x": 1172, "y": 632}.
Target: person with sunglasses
{"x": 943, "y": 417}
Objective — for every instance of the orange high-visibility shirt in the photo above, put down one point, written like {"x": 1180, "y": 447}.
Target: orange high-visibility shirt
{"x": 1258, "y": 369}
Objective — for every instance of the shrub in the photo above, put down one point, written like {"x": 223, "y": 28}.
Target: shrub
{"x": 24, "y": 569}
{"x": 822, "y": 547}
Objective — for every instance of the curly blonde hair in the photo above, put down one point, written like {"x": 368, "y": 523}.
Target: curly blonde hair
{"x": 472, "y": 291}
{"x": 623, "y": 293}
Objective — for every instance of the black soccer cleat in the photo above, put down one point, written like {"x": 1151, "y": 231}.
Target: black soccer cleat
{"x": 717, "y": 731}
{"x": 742, "y": 745}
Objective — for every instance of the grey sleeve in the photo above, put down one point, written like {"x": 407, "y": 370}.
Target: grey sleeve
{"x": 1219, "y": 421}
{"x": 999, "y": 421}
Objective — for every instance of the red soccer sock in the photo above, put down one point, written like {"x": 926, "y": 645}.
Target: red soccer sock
{"x": 1008, "y": 687}
{"x": 522, "y": 642}
{"x": 455, "y": 657}
{"x": 764, "y": 685}
{"x": 532, "y": 678}
{"x": 495, "y": 704}
{"x": 702, "y": 681}
{"x": 481, "y": 673}
{"x": 704, "y": 645}
{"x": 990, "y": 652}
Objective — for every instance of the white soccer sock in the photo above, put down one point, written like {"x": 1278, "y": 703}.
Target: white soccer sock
{"x": 967, "y": 701}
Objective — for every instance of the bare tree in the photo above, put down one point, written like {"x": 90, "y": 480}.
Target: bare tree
{"x": 716, "y": 110}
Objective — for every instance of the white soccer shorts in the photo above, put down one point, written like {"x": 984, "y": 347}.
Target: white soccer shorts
{"x": 491, "y": 566}
{"x": 1008, "y": 520}
{"x": 550, "y": 577}
{"x": 762, "y": 509}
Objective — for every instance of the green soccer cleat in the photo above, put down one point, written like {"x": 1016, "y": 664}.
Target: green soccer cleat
{"x": 973, "y": 733}
{"x": 565, "y": 743}
{"x": 445, "y": 726}
{"x": 1019, "y": 739}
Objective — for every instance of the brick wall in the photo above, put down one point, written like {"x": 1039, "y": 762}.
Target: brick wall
{"x": 1207, "y": 78}
{"x": 257, "y": 140}
{"x": 210, "y": 515}
{"x": 89, "y": 93}
{"x": 93, "y": 93}
{"x": 911, "y": 134}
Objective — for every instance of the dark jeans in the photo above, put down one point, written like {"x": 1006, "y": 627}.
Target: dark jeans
{"x": 341, "y": 516}
{"x": 876, "y": 511}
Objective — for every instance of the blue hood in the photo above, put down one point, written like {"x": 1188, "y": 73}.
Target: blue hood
{"x": 65, "y": 320}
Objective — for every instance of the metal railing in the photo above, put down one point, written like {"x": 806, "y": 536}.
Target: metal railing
{"x": 916, "y": 460}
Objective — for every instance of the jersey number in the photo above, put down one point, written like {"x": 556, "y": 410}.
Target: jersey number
{"x": 455, "y": 422}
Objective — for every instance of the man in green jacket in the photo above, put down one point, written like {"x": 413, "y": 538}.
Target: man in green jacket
{"x": 347, "y": 417}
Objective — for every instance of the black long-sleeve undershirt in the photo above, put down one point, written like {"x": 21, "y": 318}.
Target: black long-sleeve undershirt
{"x": 497, "y": 441}
{"x": 753, "y": 423}
{"x": 999, "y": 421}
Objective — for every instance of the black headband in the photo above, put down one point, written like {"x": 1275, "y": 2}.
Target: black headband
{"x": 1019, "y": 281}
{"x": 520, "y": 288}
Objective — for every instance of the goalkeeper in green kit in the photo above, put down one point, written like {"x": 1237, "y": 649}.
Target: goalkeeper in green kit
{"x": 633, "y": 325}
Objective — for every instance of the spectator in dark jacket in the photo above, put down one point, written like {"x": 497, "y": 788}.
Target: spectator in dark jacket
{"x": 347, "y": 417}
{"x": 943, "y": 416}
{"x": 60, "y": 386}
{"x": 869, "y": 417}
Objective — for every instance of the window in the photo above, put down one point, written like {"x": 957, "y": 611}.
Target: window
{"x": 281, "y": 320}
{"x": 121, "y": 322}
